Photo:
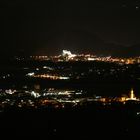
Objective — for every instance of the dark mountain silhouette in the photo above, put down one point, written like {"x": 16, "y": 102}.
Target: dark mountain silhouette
{"x": 87, "y": 42}
{"x": 77, "y": 41}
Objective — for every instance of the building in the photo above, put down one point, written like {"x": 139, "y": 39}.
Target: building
{"x": 132, "y": 95}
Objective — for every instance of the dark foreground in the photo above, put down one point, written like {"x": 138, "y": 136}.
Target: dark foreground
{"x": 70, "y": 123}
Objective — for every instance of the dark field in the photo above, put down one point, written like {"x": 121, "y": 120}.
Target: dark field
{"x": 90, "y": 121}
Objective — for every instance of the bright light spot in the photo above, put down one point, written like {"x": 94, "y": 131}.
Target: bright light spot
{"x": 31, "y": 74}
{"x": 138, "y": 113}
{"x": 91, "y": 59}
{"x": 68, "y": 54}
{"x": 9, "y": 91}
{"x": 36, "y": 95}
{"x": 78, "y": 93}
{"x": 137, "y": 7}
{"x": 65, "y": 52}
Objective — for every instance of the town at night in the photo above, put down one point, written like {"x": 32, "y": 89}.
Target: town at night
{"x": 70, "y": 69}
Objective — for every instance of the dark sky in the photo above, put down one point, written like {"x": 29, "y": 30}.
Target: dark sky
{"x": 47, "y": 27}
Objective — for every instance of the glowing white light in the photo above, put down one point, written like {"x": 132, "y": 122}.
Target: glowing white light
{"x": 64, "y": 93}
{"x": 36, "y": 95}
{"x": 64, "y": 78}
{"x": 91, "y": 59}
{"x": 137, "y": 7}
{"x": 78, "y": 93}
{"x": 31, "y": 74}
{"x": 138, "y": 113}
{"x": 69, "y": 54}
{"x": 9, "y": 91}
{"x": 65, "y": 52}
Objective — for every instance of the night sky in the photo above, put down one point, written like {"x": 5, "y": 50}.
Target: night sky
{"x": 45, "y": 27}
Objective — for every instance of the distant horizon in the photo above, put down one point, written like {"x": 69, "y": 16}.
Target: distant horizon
{"x": 47, "y": 27}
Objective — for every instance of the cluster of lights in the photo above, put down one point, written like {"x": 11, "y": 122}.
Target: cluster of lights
{"x": 123, "y": 99}
{"x": 57, "y": 98}
{"x": 68, "y": 56}
{"x": 47, "y": 76}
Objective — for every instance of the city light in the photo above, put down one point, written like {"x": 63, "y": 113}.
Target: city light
{"x": 47, "y": 76}
{"x": 31, "y": 74}
{"x": 58, "y": 98}
{"x": 68, "y": 56}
